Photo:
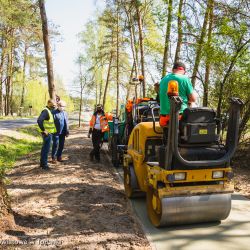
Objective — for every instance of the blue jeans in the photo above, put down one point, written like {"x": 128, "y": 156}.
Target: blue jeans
{"x": 45, "y": 150}
{"x": 58, "y": 145}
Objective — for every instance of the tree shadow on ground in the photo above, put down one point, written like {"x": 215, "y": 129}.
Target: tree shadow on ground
{"x": 88, "y": 205}
{"x": 94, "y": 208}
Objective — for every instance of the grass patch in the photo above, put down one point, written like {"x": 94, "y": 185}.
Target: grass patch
{"x": 12, "y": 149}
{"x": 30, "y": 130}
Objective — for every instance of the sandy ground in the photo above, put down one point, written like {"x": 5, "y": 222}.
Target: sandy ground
{"x": 76, "y": 205}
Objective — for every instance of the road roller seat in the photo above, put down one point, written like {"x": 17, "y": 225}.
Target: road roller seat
{"x": 198, "y": 139}
{"x": 198, "y": 126}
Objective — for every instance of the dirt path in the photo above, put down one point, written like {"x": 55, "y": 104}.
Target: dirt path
{"x": 76, "y": 205}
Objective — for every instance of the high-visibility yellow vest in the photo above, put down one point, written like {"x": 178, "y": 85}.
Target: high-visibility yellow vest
{"x": 49, "y": 125}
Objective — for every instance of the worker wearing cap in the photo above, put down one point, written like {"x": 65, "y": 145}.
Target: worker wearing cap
{"x": 98, "y": 126}
{"x": 62, "y": 126}
{"x": 184, "y": 90}
{"x": 47, "y": 128}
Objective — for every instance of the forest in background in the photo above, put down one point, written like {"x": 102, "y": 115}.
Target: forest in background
{"x": 22, "y": 62}
{"x": 125, "y": 39}
{"x": 131, "y": 38}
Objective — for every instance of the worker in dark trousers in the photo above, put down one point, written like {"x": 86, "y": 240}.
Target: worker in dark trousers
{"x": 47, "y": 128}
{"x": 62, "y": 126}
{"x": 98, "y": 126}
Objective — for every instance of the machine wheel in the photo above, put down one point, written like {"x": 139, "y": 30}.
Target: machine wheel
{"x": 187, "y": 209}
{"x": 130, "y": 182}
{"x": 114, "y": 151}
{"x": 154, "y": 207}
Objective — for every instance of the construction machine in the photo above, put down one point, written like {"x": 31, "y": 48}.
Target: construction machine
{"x": 188, "y": 179}
{"x": 135, "y": 110}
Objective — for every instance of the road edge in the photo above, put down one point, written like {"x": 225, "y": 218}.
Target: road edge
{"x": 131, "y": 207}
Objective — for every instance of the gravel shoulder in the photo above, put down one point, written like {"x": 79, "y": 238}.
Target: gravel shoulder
{"x": 77, "y": 205}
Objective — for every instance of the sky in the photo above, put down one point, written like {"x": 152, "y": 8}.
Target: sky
{"x": 69, "y": 16}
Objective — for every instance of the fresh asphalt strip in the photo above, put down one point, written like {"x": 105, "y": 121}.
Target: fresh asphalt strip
{"x": 232, "y": 233}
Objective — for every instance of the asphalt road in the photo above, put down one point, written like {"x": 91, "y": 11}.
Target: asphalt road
{"x": 17, "y": 123}
{"x": 232, "y": 233}
{"x": 13, "y": 124}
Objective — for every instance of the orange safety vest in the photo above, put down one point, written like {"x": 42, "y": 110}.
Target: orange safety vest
{"x": 129, "y": 106}
{"x": 139, "y": 100}
{"x": 164, "y": 119}
{"x": 103, "y": 122}
{"x": 109, "y": 116}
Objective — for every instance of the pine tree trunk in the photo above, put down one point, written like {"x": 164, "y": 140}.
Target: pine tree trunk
{"x": 107, "y": 79}
{"x": 208, "y": 61}
{"x": 24, "y": 69}
{"x": 48, "y": 54}
{"x": 139, "y": 20}
{"x": 96, "y": 92}
{"x": 132, "y": 43}
{"x": 1, "y": 76}
{"x": 8, "y": 81}
{"x": 117, "y": 61}
{"x": 200, "y": 45}
{"x": 81, "y": 94}
{"x": 179, "y": 40}
{"x": 167, "y": 38}
{"x": 130, "y": 80}
{"x": 100, "y": 89}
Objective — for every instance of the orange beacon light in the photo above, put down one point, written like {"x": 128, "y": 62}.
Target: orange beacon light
{"x": 173, "y": 88}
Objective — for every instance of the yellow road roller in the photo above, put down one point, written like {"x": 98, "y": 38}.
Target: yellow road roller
{"x": 187, "y": 177}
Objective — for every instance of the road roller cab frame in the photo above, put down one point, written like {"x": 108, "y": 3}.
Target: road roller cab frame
{"x": 188, "y": 180}
{"x": 122, "y": 126}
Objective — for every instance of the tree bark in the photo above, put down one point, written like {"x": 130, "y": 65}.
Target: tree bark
{"x": 81, "y": 93}
{"x": 139, "y": 20}
{"x": 208, "y": 60}
{"x": 117, "y": 61}
{"x": 200, "y": 44}
{"x": 24, "y": 76}
{"x": 8, "y": 81}
{"x": 167, "y": 38}
{"x": 132, "y": 42}
{"x": 179, "y": 40}
{"x": 1, "y": 75}
{"x": 100, "y": 87}
{"x": 130, "y": 80}
{"x": 107, "y": 80}
{"x": 48, "y": 54}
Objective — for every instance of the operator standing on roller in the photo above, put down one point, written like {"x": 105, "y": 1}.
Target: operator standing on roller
{"x": 98, "y": 126}
{"x": 176, "y": 83}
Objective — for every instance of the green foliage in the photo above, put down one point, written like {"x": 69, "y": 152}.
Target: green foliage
{"x": 36, "y": 95}
{"x": 30, "y": 130}
{"x": 11, "y": 149}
